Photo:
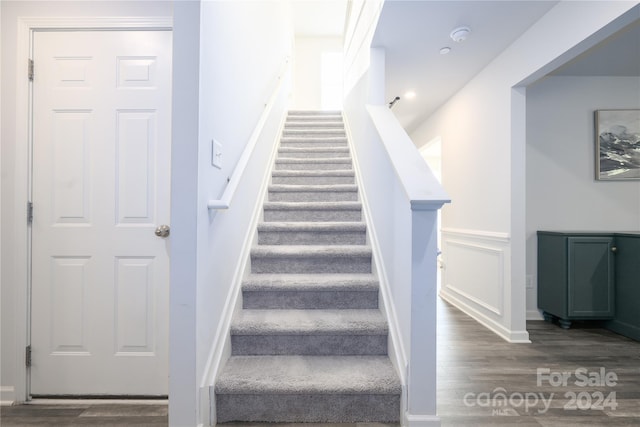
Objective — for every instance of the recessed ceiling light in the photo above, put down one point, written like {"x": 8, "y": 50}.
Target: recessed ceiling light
{"x": 410, "y": 95}
{"x": 445, "y": 50}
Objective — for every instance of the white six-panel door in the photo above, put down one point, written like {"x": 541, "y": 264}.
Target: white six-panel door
{"x": 101, "y": 163}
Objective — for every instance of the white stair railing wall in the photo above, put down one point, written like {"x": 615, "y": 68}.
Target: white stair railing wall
{"x": 401, "y": 198}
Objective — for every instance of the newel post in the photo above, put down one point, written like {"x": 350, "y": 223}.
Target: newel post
{"x": 421, "y": 381}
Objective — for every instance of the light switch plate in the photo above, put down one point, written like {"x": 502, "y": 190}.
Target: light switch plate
{"x": 216, "y": 154}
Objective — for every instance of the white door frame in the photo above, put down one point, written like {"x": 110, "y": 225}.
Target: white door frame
{"x": 22, "y": 245}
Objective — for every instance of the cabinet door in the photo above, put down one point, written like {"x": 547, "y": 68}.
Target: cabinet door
{"x": 591, "y": 277}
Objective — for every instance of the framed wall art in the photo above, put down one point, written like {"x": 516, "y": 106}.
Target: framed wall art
{"x": 617, "y": 145}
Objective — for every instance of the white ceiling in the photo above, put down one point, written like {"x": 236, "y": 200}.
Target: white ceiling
{"x": 413, "y": 32}
{"x": 319, "y": 18}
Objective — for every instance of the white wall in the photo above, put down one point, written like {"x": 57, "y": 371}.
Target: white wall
{"x": 183, "y": 390}
{"x": 484, "y": 130}
{"x": 307, "y": 74}
{"x": 562, "y": 193}
{"x": 243, "y": 51}
{"x": 14, "y": 159}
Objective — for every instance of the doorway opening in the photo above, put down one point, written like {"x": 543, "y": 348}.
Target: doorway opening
{"x": 331, "y": 81}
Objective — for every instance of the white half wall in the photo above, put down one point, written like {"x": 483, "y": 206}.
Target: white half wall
{"x": 562, "y": 193}
{"x": 307, "y": 70}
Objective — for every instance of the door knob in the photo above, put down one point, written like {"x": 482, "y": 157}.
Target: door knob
{"x": 614, "y": 249}
{"x": 163, "y": 231}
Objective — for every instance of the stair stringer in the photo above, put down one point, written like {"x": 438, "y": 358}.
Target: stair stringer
{"x": 396, "y": 350}
{"x": 221, "y": 348}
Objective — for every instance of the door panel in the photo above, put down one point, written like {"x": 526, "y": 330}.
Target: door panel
{"x": 101, "y": 161}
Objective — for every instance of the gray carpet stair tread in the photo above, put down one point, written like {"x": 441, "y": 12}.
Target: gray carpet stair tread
{"x": 307, "y": 251}
{"x": 337, "y": 131}
{"x": 292, "y": 282}
{"x": 309, "y": 322}
{"x": 313, "y": 205}
{"x": 320, "y": 160}
{"x": 297, "y": 123}
{"x": 314, "y": 173}
{"x": 314, "y": 113}
{"x": 327, "y": 149}
{"x": 320, "y": 188}
{"x": 308, "y": 374}
{"x": 313, "y": 226}
{"x": 340, "y": 140}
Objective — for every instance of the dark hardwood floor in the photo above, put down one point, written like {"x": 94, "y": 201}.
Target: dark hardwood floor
{"x": 475, "y": 365}
{"x": 475, "y": 369}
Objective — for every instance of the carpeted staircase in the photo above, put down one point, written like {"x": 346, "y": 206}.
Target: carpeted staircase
{"x": 310, "y": 344}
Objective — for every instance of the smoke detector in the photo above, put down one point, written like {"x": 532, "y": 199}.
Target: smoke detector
{"x": 460, "y": 34}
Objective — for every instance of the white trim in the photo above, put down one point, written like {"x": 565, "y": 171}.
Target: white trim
{"x": 96, "y": 23}
{"x": 475, "y": 300}
{"x": 397, "y": 353}
{"x": 25, "y": 28}
{"x": 498, "y": 329}
{"x": 421, "y": 420}
{"x": 480, "y": 234}
{"x": 7, "y": 395}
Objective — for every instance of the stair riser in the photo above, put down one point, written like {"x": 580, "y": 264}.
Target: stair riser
{"x": 313, "y": 115}
{"x": 312, "y": 166}
{"x": 303, "y": 115}
{"x": 319, "y": 408}
{"x": 312, "y": 215}
{"x": 312, "y": 143}
{"x": 313, "y": 196}
{"x": 339, "y": 237}
{"x": 301, "y": 300}
{"x": 313, "y": 120}
{"x": 309, "y": 345}
{"x": 306, "y": 265}
{"x": 313, "y": 180}
{"x": 303, "y": 154}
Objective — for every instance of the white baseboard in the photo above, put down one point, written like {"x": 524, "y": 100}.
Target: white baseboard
{"x": 421, "y": 420}
{"x": 506, "y": 334}
{"x": 7, "y": 395}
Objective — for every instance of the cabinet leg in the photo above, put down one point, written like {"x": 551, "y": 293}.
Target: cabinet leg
{"x": 548, "y": 317}
{"x": 564, "y": 324}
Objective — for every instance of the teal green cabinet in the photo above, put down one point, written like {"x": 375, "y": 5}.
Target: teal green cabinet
{"x": 627, "y": 319}
{"x": 576, "y": 276}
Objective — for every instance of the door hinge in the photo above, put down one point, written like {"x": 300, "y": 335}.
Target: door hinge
{"x": 29, "y": 212}
{"x": 30, "y": 70}
{"x": 27, "y": 356}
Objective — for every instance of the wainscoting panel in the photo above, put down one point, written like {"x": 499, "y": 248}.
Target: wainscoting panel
{"x": 476, "y": 276}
